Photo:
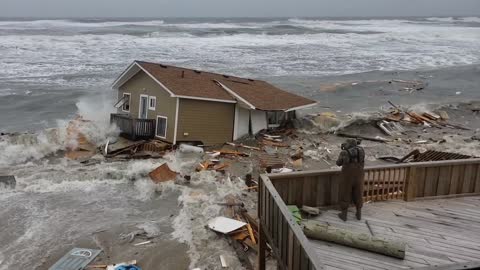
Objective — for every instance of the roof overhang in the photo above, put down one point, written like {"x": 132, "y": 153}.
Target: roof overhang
{"x": 135, "y": 67}
{"x": 131, "y": 71}
{"x": 301, "y": 107}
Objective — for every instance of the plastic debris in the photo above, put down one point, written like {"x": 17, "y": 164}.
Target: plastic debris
{"x": 77, "y": 258}
{"x": 295, "y": 213}
{"x": 186, "y": 148}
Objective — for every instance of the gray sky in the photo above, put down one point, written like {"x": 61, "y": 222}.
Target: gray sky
{"x": 238, "y": 8}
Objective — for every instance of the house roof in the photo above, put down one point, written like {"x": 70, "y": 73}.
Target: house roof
{"x": 189, "y": 83}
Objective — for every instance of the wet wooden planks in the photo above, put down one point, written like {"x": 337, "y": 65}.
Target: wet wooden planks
{"x": 437, "y": 232}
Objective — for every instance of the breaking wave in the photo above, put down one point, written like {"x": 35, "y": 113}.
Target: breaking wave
{"x": 26, "y": 147}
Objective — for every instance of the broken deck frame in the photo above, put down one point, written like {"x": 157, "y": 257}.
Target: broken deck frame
{"x": 412, "y": 181}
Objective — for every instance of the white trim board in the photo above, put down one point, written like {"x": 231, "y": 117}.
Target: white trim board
{"x": 166, "y": 126}
{"x": 301, "y": 107}
{"x": 207, "y": 99}
{"x": 176, "y": 122}
{"x": 155, "y": 79}
{"x": 121, "y": 80}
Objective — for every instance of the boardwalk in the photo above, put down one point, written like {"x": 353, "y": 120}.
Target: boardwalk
{"x": 437, "y": 232}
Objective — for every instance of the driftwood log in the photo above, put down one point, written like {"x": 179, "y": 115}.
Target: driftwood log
{"x": 317, "y": 230}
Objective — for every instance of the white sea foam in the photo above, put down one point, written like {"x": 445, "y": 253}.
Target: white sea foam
{"x": 73, "y": 23}
{"x": 199, "y": 205}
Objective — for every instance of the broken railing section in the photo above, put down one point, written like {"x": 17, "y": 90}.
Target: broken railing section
{"x": 125, "y": 149}
{"x": 429, "y": 155}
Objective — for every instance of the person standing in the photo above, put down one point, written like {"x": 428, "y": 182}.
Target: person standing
{"x": 352, "y": 160}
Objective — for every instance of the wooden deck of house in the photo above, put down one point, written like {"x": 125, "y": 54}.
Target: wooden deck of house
{"x": 134, "y": 128}
{"x": 432, "y": 206}
{"x": 437, "y": 233}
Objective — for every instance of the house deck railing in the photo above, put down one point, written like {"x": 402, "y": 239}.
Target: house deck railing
{"x": 412, "y": 181}
{"x": 134, "y": 128}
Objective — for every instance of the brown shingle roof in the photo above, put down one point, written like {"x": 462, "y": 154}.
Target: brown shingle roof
{"x": 200, "y": 84}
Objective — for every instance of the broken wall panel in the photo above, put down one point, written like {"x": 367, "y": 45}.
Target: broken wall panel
{"x": 242, "y": 120}
{"x": 258, "y": 120}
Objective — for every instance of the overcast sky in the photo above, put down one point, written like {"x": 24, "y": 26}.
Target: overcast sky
{"x": 238, "y": 8}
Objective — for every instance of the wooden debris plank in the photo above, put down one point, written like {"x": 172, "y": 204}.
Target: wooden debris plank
{"x": 337, "y": 254}
{"x": 417, "y": 238}
{"x": 348, "y": 252}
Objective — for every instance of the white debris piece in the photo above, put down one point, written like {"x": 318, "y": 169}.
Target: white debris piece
{"x": 282, "y": 170}
{"x": 223, "y": 261}
{"x": 186, "y": 148}
{"x": 225, "y": 225}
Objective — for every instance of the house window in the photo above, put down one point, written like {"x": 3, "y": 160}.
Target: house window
{"x": 152, "y": 103}
{"x": 126, "y": 102}
{"x": 161, "y": 127}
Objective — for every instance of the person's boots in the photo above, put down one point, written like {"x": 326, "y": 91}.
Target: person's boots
{"x": 343, "y": 215}
{"x": 359, "y": 213}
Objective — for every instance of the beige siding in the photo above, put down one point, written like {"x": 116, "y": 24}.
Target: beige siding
{"x": 142, "y": 84}
{"x": 205, "y": 121}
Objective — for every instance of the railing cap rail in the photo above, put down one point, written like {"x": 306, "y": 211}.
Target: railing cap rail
{"x": 297, "y": 231}
{"x": 275, "y": 176}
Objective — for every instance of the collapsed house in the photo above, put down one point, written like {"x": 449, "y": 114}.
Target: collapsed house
{"x": 176, "y": 104}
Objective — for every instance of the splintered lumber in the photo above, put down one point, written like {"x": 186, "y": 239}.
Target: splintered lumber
{"x": 234, "y": 153}
{"x": 244, "y": 146}
{"x": 373, "y": 139}
{"x": 250, "y": 232}
{"x": 320, "y": 231}
{"x": 272, "y": 143}
{"x": 162, "y": 174}
{"x": 444, "y": 115}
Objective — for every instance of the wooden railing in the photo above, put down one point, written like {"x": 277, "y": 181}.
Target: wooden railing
{"x": 288, "y": 243}
{"x": 134, "y": 128}
{"x": 399, "y": 181}
{"x": 411, "y": 181}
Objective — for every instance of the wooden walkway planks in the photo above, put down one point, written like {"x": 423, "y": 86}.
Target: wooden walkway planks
{"x": 437, "y": 232}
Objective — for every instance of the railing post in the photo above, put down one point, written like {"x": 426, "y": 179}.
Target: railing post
{"x": 411, "y": 184}
{"x": 262, "y": 245}
{"x": 134, "y": 129}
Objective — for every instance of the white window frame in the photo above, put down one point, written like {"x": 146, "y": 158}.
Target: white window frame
{"x": 166, "y": 127}
{"x": 150, "y": 98}
{"x": 140, "y": 106}
{"x": 129, "y": 103}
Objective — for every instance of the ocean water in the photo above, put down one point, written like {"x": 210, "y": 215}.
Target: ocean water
{"x": 48, "y": 65}
{"x": 52, "y": 69}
